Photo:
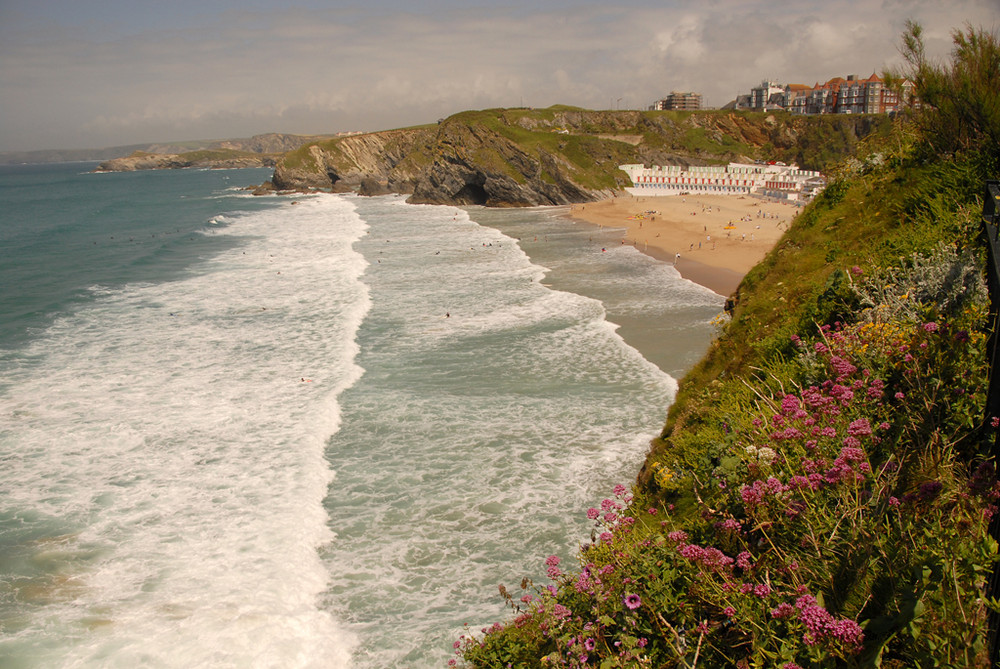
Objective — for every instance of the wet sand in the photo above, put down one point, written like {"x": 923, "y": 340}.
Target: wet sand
{"x": 713, "y": 240}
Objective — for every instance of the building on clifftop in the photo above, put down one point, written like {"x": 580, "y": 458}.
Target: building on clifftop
{"x": 678, "y": 101}
{"x": 836, "y": 96}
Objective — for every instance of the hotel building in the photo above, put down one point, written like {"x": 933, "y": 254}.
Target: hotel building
{"x": 678, "y": 101}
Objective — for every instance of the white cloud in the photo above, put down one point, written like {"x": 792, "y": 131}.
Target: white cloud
{"x": 366, "y": 67}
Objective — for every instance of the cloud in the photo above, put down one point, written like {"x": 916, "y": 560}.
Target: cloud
{"x": 312, "y": 69}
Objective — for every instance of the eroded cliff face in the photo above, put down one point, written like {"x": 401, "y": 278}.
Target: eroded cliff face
{"x": 477, "y": 165}
{"x": 378, "y": 161}
{"x": 522, "y": 157}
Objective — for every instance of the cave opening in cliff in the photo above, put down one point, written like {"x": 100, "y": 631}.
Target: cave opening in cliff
{"x": 471, "y": 194}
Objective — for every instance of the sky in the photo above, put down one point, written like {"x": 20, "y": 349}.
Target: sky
{"x": 97, "y": 73}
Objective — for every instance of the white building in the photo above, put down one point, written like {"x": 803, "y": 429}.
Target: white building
{"x": 761, "y": 96}
{"x": 786, "y": 182}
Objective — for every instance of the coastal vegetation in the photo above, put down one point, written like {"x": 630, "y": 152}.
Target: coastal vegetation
{"x": 821, "y": 493}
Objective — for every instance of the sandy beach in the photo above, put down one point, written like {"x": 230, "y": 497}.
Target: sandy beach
{"x": 712, "y": 239}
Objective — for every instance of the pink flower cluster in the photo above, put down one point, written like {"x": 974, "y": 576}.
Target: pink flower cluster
{"x": 756, "y": 494}
{"x": 821, "y": 625}
{"x": 710, "y": 558}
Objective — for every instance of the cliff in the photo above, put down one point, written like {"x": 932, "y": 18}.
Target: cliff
{"x": 559, "y": 155}
{"x": 380, "y": 161}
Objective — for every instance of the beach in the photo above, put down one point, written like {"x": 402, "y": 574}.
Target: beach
{"x": 713, "y": 240}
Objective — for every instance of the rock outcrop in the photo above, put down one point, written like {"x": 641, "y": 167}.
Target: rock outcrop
{"x": 342, "y": 164}
{"x": 479, "y": 165}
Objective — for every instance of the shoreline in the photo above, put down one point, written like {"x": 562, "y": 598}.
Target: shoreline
{"x": 712, "y": 240}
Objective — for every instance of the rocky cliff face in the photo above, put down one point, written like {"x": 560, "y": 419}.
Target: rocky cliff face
{"x": 477, "y": 165}
{"x": 561, "y": 155}
{"x": 376, "y": 160}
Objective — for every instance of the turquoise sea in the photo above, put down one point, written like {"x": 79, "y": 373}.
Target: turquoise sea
{"x": 305, "y": 431}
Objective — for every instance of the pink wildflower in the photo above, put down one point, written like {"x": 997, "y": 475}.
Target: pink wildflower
{"x": 783, "y": 610}
{"x": 841, "y": 367}
{"x": 731, "y": 524}
{"x": 859, "y": 428}
{"x": 820, "y": 624}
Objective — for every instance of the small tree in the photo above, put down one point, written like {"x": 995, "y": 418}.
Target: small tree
{"x": 960, "y": 102}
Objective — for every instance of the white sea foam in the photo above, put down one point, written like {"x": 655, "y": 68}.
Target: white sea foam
{"x": 171, "y": 471}
{"x": 175, "y": 432}
{"x": 493, "y": 411}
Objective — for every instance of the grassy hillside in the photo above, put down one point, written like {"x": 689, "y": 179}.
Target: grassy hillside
{"x": 821, "y": 493}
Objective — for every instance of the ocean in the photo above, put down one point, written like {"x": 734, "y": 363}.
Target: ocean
{"x": 310, "y": 430}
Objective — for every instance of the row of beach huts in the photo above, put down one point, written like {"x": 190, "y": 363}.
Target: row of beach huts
{"x": 773, "y": 180}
